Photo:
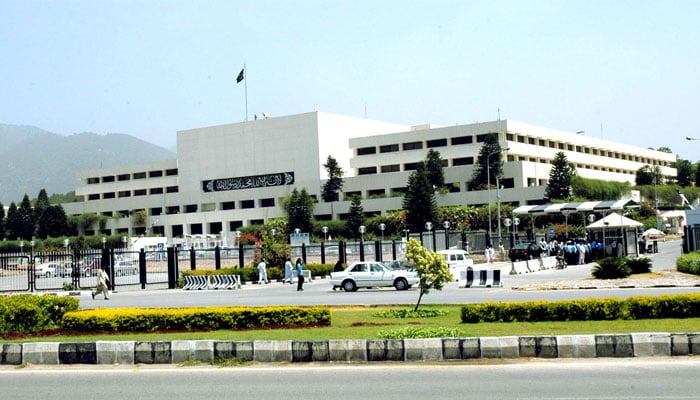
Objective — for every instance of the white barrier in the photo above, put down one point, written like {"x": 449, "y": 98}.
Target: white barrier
{"x": 480, "y": 278}
{"x": 199, "y": 282}
{"x": 538, "y": 264}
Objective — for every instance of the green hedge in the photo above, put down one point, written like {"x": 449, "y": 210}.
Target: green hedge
{"x": 640, "y": 307}
{"x": 28, "y": 313}
{"x": 194, "y": 318}
{"x": 689, "y": 263}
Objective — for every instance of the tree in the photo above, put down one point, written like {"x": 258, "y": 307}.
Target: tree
{"x": 40, "y": 206}
{"x": 644, "y": 176}
{"x": 419, "y": 201}
{"x": 329, "y": 192}
{"x": 2, "y": 221}
{"x": 27, "y": 219}
{"x": 13, "y": 223}
{"x": 684, "y": 171}
{"x": 487, "y": 166}
{"x": 430, "y": 266}
{"x": 559, "y": 185}
{"x": 433, "y": 168}
{"x": 53, "y": 222}
{"x": 356, "y": 216}
{"x": 299, "y": 207}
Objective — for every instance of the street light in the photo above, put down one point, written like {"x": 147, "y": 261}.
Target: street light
{"x": 66, "y": 242}
{"x": 429, "y": 227}
{"x": 516, "y": 222}
{"x": 381, "y": 228}
{"x": 104, "y": 242}
{"x": 362, "y": 233}
{"x": 446, "y": 225}
{"x": 508, "y": 222}
{"x": 488, "y": 186}
{"x": 325, "y": 233}
{"x": 21, "y": 246}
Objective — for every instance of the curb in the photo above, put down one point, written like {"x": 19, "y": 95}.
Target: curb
{"x": 645, "y": 344}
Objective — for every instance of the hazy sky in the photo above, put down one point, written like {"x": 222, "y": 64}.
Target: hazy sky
{"x": 622, "y": 70}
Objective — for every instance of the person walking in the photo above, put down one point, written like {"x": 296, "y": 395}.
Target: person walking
{"x": 262, "y": 272}
{"x": 102, "y": 280}
{"x": 288, "y": 271}
{"x": 338, "y": 268}
{"x": 300, "y": 275}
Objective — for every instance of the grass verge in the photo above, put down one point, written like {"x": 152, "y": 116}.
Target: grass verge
{"x": 359, "y": 322}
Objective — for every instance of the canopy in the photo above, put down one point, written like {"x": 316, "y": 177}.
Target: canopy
{"x": 614, "y": 220}
{"x": 574, "y": 207}
{"x": 653, "y": 232}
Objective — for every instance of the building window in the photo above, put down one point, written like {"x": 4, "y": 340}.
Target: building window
{"x": 109, "y": 178}
{"x": 171, "y": 172}
{"x": 247, "y": 204}
{"x": 521, "y": 139}
{"x": 436, "y": 143}
{"x": 389, "y": 148}
{"x": 390, "y": 168}
{"x": 155, "y": 174}
{"x": 228, "y": 205}
{"x": 552, "y": 145}
{"x": 206, "y": 207}
{"x": 509, "y": 137}
{"x": 367, "y": 171}
{"x": 125, "y": 193}
{"x": 530, "y": 140}
{"x": 561, "y": 146}
{"x": 410, "y": 166}
{"x": 461, "y": 140}
{"x": 363, "y": 151}
{"x": 108, "y": 195}
{"x": 93, "y": 181}
{"x": 398, "y": 191}
{"x": 376, "y": 193}
{"x": 140, "y": 175}
{"x": 156, "y": 190}
{"x": 350, "y": 195}
{"x": 172, "y": 210}
{"x": 542, "y": 143}
{"x": 413, "y": 146}
{"x": 191, "y": 208}
{"x": 257, "y": 222}
{"x": 267, "y": 202}
{"x": 140, "y": 192}
{"x": 156, "y": 211}
{"x": 123, "y": 177}
{"x": 172, "y": 189}
{"x": 481, "y": 138}
{"x": 456, "y": 162}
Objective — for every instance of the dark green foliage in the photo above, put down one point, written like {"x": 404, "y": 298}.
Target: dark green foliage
{"x": 356, "y": 217}
{"x": 488, "y": 165}
{"x": 329, "y": 192}
{"x": 644, "y": 176}
{"x": 684, "y": 172}
{"x": 611, "y": 268}
{"x": 419, "y": 201}
{"x": 640, "y": 265}
{"x": 639, "y": 307}
{"x": 433, "y": 168}
{"x": 299, "y": 207}
{"x": 559, "y": 184}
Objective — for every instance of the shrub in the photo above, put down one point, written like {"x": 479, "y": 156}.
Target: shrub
{"x": 640, "y": 265}
{"x": 28, "y": 313}
{"x": 666, "y": 306}
{"x": 424, "y": 332}
{"x": 611, "y": 268}
{"x": 405, "y": 313}
{"x": 689, "y": 263}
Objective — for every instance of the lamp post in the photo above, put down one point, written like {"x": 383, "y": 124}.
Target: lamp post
{"x": 238, "y": 238}
{"x": 124, "y": 240}
{"x": 381, "y": 228}
{"x": 508, "y": 222}
{"x": 446, "y": 225}
{"x": 516, "y": 222}
{"x": 21, "y": 246}
{"x": 429, "y": 227}
{"x": 104, "y": 242}
{"x": 362, "y": 233}
{"x": 488, "y": 186}
{"x": 325, "y": 233}
{"x": 66, "y": 242}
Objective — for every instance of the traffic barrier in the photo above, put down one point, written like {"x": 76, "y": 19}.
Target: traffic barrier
{"x": 480, "y": 278}
{"x": 199, "y": 282}
{"x": 538, "y": 264}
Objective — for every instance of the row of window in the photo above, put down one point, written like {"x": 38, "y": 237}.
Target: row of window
{"x": 133, "y": 193}
{"x": 131, "y": 176}
{"x": 461, "y": 140}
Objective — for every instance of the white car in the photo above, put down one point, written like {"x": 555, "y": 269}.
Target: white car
{"x": 46, "y": 270}
{"x": 122, "y": 268}
{"x": 371, "y": 274}
{"x": 457, "y": 261}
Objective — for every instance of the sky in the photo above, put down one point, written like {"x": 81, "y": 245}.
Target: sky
{"x": 621, "y": 70}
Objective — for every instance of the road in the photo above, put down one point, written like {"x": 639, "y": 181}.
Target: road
{"x": 319, "y": 291}
{"x": 609, "y": 379}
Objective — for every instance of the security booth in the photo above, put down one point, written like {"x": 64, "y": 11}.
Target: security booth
{"x": 617, "y": 233}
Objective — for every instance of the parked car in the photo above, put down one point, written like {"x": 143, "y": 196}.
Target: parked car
{"x": 64, "y": 270}
{"x": 122, "y": 268}
{"x": 88, "y": 269}
{"x": 46, "y": 270}
{"x": 524, "y": 251}
{"x": 372, "y": 274}
{"x": 457, "y": 260}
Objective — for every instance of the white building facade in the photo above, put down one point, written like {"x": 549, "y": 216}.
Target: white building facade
{"x": 236, "y": 175}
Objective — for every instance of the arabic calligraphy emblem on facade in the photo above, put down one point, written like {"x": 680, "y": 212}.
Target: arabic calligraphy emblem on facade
{"x": 248, "y": 182}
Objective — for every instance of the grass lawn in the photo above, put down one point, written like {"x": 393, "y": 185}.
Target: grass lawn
{"x": 358, "y": 322}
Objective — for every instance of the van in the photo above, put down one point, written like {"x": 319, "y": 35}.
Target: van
{"x": 457, "y": 260}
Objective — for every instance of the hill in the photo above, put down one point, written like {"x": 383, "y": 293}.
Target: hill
{"x": 32, "y": 158}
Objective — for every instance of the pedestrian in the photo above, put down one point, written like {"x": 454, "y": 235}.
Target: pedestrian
{"x": 262, "y": 272}
{"x": 300, "y": 275}
{"x": 288, "y": 271}
{"x": 102, "y": 280}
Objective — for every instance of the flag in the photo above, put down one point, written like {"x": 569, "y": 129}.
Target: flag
{"x": 241, "y": 76}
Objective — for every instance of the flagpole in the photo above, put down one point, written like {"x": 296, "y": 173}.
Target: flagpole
{"x": 245, "y": 76}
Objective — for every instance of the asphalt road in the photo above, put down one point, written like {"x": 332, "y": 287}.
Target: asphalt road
{"x": 609, "y": 379}
{"x": 319, "y": 292}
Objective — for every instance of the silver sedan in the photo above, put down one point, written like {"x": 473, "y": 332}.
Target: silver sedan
{"x": 373, "y": 274}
